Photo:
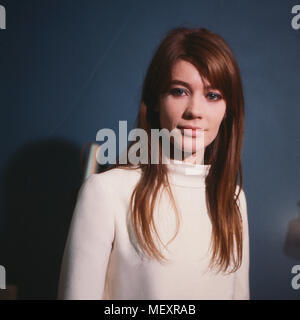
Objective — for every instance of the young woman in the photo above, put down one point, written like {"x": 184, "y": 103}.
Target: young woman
{"x": 176, "y": 230}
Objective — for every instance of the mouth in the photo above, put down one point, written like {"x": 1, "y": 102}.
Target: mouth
{"x": 191, "y": 131}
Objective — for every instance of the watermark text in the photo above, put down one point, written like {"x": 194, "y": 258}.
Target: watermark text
{"x": 296, "y": 279}
{"x": 2, "y": 17}
{"x": 296, "y": 19}
{"x": 2, "y": 278}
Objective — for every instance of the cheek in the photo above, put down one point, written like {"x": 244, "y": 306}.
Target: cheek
{"x": 169, "y": 116}
{"x": 215, "y": 121}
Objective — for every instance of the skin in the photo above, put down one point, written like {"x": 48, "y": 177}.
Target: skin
{"x": 192, "y": 104}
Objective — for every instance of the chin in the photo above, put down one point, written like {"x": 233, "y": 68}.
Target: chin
{"x": 189, "y": 145}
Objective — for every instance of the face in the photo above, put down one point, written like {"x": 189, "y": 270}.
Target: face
{"x": 190, "y": 105}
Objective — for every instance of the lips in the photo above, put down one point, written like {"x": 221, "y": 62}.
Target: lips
{"x": 191, "y": 131}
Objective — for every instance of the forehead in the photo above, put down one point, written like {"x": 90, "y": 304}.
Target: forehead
{"x": 187, "y": 72}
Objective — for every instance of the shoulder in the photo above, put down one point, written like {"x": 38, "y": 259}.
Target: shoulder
{"x": 241, "y": 195}
{"x": 113, "y": 181}
{"x": 102, "y": 193}
{"x": 242, "y": 204}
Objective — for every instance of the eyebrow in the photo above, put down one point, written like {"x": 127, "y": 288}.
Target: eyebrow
{"x": 176, "y": 81}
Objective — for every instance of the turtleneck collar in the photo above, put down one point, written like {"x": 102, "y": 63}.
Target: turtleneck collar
{"x": 187, "y": 174}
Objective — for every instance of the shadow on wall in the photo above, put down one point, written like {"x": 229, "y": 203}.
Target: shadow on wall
{"x": 40, "y": 186}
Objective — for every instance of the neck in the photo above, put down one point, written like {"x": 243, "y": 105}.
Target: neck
{"x": 196, "y": 158}
{"x": 187, "y": 174}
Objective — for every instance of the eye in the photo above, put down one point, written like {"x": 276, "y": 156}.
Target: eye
{"x": 177, "y": 92}
{"x": 214, "y": 96}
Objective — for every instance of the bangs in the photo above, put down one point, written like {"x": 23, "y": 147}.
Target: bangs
{"x": 214, "y": 71}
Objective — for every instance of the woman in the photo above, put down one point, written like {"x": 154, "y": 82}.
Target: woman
{"x": 175, "y": 230}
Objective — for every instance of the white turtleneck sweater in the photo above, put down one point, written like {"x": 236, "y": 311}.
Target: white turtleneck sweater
{"x": 102, "y": 259}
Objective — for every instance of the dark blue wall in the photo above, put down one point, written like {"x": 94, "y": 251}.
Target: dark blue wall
{"x": 71, "y": 67}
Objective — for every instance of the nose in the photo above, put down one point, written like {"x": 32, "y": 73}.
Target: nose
{"x": 196, "y": 106}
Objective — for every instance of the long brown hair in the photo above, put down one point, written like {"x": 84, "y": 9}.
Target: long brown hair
{"x": 215, "y": 61}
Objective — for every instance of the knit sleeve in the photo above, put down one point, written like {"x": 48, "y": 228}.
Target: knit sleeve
{"x": 89, "y": 243}
{"x": 241, "y": 288}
